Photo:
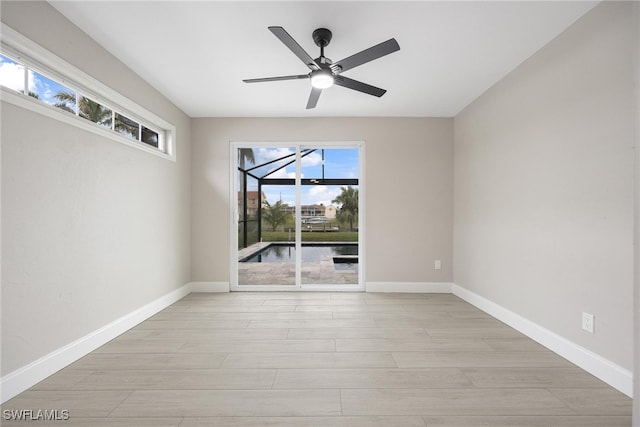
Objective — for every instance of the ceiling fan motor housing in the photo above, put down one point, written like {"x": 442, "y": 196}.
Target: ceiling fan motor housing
{"x": 322, "y": 37}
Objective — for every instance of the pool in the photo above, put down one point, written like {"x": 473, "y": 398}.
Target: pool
{"x": 286, "y": 252}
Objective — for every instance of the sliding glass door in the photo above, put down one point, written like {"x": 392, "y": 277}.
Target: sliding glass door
{"x": 329, "y": 217}
{"x": 264, "y": 217}
{"x": 297, "y": 222}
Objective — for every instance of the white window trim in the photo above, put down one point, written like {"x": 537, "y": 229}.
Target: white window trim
{"x": 34, "y": 55}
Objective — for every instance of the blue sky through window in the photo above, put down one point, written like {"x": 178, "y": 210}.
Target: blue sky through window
{"x": 46, "y": 89}
{"x": 338, "y": 163}
{"x": 12, "y": 76}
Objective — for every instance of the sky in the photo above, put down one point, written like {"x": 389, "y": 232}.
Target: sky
{"x": 338, "y": 163}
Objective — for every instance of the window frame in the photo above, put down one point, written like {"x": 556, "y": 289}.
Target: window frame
{"x": 38, "y": 59}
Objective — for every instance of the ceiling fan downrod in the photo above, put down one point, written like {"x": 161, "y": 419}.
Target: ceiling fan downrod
{"x": 322, "y": 38}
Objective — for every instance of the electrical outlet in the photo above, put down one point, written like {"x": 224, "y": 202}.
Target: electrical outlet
{"x": 588, "y": 322}
{"x": 437, "y": 264}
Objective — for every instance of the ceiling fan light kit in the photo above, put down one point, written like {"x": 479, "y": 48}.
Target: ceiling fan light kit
{"x": 321, "y": 79}
{"x": 325, "y": 73}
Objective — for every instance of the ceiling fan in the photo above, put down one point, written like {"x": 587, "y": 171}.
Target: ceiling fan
{"x": 325, "y": 73}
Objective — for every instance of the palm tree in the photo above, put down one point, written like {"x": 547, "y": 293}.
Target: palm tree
{"x": 348, "y": 206}
{"x": 130, "y": 127}
{"x": 275, "y": 215}
{"x": 88, "y": 109}
{"x": 246, "y": 155}
{"x": 98, "y": 113}
{"x": 66, "y": 101}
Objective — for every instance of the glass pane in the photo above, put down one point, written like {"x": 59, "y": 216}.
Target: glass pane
{"x": 51, "y": 92}
{"x": 95, "y": 112}
{"x": 11, "y": 74}
{"x": 266, "y": 226}
{"x": 126, "y": 126}
{"x": 150, "y": 137}
{"x": 330, "y": 217}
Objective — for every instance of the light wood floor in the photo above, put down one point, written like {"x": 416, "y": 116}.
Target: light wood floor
{"x": 324, "y": 359}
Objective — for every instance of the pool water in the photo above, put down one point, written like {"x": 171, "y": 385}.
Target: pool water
{"x": 310, "y": 253}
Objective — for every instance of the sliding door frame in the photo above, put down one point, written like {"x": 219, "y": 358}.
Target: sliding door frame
{"x": 234, "y": 215}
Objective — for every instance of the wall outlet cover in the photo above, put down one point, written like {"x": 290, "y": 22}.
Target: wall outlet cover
{"x": 588, "y": 322}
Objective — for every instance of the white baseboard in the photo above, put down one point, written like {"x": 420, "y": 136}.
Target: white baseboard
{"x": 23, "y": 378}
{"x": 209, "y": 286}
{"x": 609, "y": 372}
{"x": 415, "y": 287}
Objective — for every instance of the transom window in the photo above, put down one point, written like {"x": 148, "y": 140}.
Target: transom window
{"x": 36, "y": 79}
{"x": 27, "y": 81}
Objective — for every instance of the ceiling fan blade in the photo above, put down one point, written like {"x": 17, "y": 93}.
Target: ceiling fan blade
{"x": 313, "y": 98}
{"x": 275, "y": 79}
{"x": 285, "y": 38}
{"x": 359, "y": 86}
{"x": 366, "y": 55}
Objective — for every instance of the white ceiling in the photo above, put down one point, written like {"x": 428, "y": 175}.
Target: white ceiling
{"x": 197, "y": 53}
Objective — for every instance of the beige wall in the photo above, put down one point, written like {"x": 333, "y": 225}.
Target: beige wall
{"x": 91, "y": 229}
{"x": 544, "y": 186}
{"x": 409, "y": 182}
